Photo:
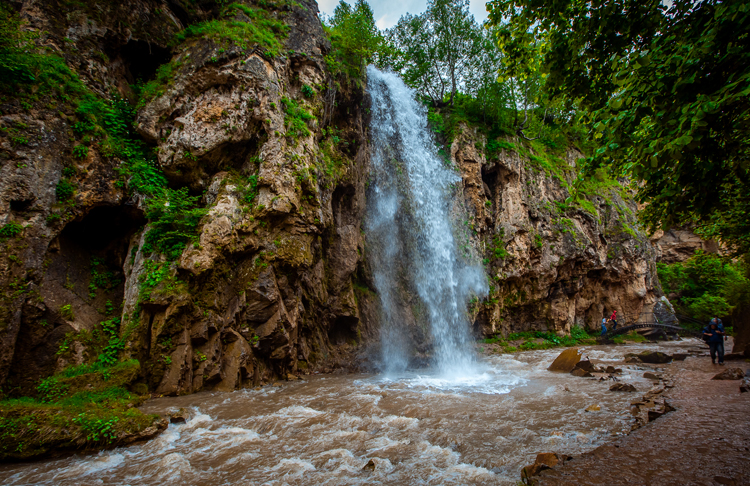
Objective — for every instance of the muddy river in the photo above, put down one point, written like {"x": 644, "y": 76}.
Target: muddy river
{"x": 415, "y": 429}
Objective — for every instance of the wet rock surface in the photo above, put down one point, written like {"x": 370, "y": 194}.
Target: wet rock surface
{"x": 730, "y": 374}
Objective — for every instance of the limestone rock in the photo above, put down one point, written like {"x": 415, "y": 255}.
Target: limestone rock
{"x": 566, "y": 361}
{"x": 651, "y": 376}
{"x": 593, "y": 408}
{"x": 730, "y": 374}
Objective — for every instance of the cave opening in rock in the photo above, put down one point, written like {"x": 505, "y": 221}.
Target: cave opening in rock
{"x": 142, "y": 59}
{"x": 83, "y": 285}
{"x": 343, "y": 330}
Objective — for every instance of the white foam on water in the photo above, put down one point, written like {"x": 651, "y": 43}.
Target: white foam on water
{"x": 293, "y": 466}
{"x": 87, "y": 465}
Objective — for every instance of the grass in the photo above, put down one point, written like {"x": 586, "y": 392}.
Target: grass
{"x": 531, "y": 340}
{"x": 632, "y": 336}
{"x": 82, "y": 407}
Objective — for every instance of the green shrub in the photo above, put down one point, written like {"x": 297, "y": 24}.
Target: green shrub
{"x": 64, "y": 190}
{"x": 66, "y": 312}
{"x": 10, "y": 230}
{"x": 295, "y": 118}
{"x": 174, "y": 218}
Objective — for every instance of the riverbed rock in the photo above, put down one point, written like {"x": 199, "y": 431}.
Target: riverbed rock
{"x": 745, "y": 386}
{"x": 623, "y": 387}
{"x": 581, "y": 373}
{"x": 544, "y": 461}
{"x": 651, "y": 376}
{"x": 179, "y": 417}
{"x": 651, "y": 357}
{"x": 734, "y": 357}
{"x": 566, "y": 361}
{"x": 680, "y": 356}
{"x": 148, "y": 433}
{"x": 730, "y": 374}
{"x": 586, "y": 365}
{"x": 593, "y": 408}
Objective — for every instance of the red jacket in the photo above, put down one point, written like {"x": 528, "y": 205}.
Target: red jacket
{"x": 614, "y": 316}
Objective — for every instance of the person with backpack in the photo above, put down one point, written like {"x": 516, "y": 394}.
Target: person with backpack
{"x": 613, "y": 318}
{"x": 715, "y": 339}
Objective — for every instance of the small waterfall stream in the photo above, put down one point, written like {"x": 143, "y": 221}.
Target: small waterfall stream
{"x": 410, "y": 238}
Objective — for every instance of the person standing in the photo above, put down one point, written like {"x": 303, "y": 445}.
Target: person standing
{"x": 715, "y": 339}
{"x": 613, "y": 318}
{"x": 604, "y": 326}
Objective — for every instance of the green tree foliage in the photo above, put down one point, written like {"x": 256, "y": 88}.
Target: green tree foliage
{"x": 355, "y": 41}
{"x": 706, "y": 285}
{"x": 435, "y": 52}
{"x": 667, "y": 90}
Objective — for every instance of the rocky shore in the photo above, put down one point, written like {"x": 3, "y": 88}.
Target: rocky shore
{"x": 700, "y": 437}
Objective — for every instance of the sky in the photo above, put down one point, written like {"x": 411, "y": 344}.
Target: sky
{"x": 387, "y": 12}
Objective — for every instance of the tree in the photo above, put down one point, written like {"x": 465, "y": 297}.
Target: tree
{"x": 666, "y": 89}
{"x": 355, "y": 40}
{"x": 434, "y": 51}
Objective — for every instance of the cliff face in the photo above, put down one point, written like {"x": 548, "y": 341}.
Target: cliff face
{"x": 555, "y": 258}
{"x": 267, "y": 285}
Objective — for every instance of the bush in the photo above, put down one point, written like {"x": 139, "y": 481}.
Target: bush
{"x": 174, "y": 217}
{"x": 64, "y": 190}
{"x": 10, "y": 230}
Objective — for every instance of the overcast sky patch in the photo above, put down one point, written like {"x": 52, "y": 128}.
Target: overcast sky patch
{"x": 387, "y": 12}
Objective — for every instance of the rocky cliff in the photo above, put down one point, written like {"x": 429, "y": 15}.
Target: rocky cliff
{"x": 236, "y": 114}
{"x": 557, "y": 254}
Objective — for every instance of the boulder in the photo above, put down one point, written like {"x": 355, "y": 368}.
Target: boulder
{"x": 654, "y": 357}
{"x": 623, "y": 387}
{"x": 586, "y": 365}
{"x": 179, "y": 417}
{"x": 580, "y": 372}
{"x": 745, "y": 386}
{"x": 730, "y": 374}
{"x": 611, "y": 369}
{"x": 651, "y": 376}
{"x": 734, "y": 357}
{"x": 544, "y": 460}
{"x": 680, "y": 356}
{"x": 566, "y": 361}
{"x": 593, "y": 408}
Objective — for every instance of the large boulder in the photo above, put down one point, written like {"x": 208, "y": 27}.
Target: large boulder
{"x": 567, "y": 360}
{"x": 730, "y": 374}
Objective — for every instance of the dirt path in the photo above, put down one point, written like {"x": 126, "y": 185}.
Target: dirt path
{"x": 706, "y": 441}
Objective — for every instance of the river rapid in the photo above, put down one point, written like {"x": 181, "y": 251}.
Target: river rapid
{"x": 417, "y": 428}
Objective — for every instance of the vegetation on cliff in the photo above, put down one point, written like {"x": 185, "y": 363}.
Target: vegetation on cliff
{"x": 663, "y": 87}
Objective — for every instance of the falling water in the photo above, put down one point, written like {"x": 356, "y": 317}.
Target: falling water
{"x": 410, "y": 233}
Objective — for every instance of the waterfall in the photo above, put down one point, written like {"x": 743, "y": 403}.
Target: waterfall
{"x": 410, "y": 234}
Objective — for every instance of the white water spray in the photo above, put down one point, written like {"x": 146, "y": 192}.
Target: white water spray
{"x": 410, "y": 233}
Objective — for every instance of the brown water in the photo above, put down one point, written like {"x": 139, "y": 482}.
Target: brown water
{"x": 417, "y": 429}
